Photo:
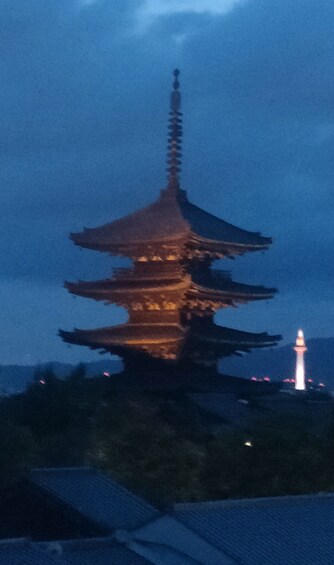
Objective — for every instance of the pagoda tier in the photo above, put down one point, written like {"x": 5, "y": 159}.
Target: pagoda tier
{"x": 162, "y": 294}
{"x": 171, "y": 292}
{"x": 200, "y": 343}
{"x": 171, "y": 229}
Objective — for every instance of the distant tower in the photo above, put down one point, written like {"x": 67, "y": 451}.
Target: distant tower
{"x": 300, "y": 349}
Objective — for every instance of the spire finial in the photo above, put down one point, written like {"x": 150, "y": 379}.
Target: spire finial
{"x": 174, "y": 136}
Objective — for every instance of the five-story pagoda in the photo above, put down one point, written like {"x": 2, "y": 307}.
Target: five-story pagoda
{"x": 171, "y": 293}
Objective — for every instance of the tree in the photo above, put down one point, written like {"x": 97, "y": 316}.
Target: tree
{"x": 18, "y": 452}
{"x": 132, "y": 441}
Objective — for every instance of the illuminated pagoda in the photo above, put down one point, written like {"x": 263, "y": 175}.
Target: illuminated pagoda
{"x": 171, "y": 292}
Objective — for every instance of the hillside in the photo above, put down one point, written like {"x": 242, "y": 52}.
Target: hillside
{"x": 15, "y": 378}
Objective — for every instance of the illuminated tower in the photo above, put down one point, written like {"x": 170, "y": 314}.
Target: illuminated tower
{"x": 300, "y": 349}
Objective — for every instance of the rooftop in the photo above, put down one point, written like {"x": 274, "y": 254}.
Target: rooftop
{"x": 289, "y": 530}
{"x": 95, "y": 496}
{"x": 169, "y": 219}
{"x": 22, "y": 552}
{"x": 284, "y": 530}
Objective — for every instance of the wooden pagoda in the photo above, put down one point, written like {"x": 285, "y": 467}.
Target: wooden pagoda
{"x": 171, "y": 292}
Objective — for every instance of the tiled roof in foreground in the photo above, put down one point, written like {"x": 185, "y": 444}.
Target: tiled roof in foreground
{"x": 180, "y": 544}
{"x": 289, "y": 530}
{"x": 94, "y": 496}
{"x": 22, "y": 552}
{"x": 99, "y": 551}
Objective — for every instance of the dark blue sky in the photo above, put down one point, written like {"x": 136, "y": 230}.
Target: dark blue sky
{"x": 83, "y": 111}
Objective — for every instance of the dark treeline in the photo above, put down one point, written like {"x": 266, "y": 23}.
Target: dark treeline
{"x": 156, "y": 446}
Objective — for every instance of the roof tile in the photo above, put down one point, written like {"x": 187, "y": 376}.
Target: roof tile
{"x": 95, "y": 496}
{"x": 275, "y": 531}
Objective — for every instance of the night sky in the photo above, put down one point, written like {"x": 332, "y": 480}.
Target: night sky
{"x": 84, "y": 98}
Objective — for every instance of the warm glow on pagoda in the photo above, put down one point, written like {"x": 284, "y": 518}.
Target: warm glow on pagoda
{"x": 300, "y": 348}
{"x": 171, "y": 291}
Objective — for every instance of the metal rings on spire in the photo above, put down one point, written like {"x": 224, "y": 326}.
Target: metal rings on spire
{"x": 174, "y": 136}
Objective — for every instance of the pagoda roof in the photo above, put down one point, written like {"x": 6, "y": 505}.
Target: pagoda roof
{"x": 128, "y": 335}
{"x": 235, "y": 339}
{"x": 107, "y": 289}
{"x": 216, "y": 281}
{"x": 125, "y": 335}
{"x": 172, "y": 218}
{"x": 101, "y": 289}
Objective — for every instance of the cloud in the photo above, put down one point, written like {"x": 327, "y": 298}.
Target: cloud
{"x": 159, "y": 7}
{"x": 150, "y": 10}
{"x": 174, "y": 15}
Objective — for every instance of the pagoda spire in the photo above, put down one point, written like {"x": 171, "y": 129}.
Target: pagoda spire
{"x": 174, "y": 137}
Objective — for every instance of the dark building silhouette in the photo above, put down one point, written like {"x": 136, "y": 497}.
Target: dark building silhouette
{"x": 171, "y": 292}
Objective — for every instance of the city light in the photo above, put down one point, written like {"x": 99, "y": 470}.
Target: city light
{"x": 260, "y": 379}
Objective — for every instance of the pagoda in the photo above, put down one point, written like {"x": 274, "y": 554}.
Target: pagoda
{"x": 171, "y": 292}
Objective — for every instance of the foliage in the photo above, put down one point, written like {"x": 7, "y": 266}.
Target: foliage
{"x": 17, "y": 450}
{"x": 156, "y": 445}
{"x": 132, "y": 441}
{"x": 57, "y": 414}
